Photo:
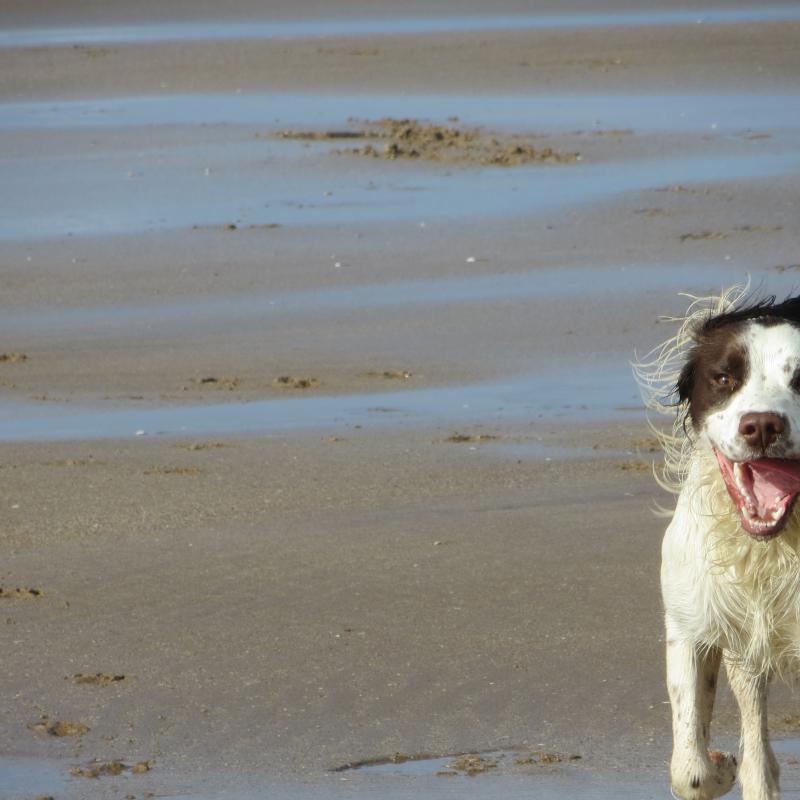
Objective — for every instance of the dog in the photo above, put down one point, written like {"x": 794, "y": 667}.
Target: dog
{"x": 730, "y": 573}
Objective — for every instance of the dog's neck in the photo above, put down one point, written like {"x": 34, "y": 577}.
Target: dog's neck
{"x": 754, "y": 593}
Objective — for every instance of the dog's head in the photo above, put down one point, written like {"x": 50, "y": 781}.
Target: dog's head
{"x": 741, "y": 387}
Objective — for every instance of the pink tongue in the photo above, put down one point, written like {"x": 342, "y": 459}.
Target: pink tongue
{"x": 773, "y": 479}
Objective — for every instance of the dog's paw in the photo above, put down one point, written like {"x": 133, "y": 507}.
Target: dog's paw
{"x": 704, "y": 779}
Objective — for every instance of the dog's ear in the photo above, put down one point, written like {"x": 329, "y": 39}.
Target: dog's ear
{"x": 685, "y": 384}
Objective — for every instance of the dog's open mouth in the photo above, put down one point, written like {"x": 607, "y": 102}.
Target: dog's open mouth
{"x": 764, "y": 491}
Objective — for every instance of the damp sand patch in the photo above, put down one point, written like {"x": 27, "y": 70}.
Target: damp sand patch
{"x": 635, "y": 466}
{"x": 233, "y": 226}
{"x": 390, "y": 375}
{"x": 196, "y": 446}
{"x": 655, "y": 212}
{"x": 703, "y": 236}
{"x": 59, "y": 728}
{"x": 294, "y": 382}
{"x": 466, "y": 764}
{"x": 91, "y": 461}
{"x": 460, "y": 438}
{"x": 20, "y": 593}
{"x": 409, "y": 139}
{"x": 470, "y": 765}
{"x": 644, "y": 444}
{"x": 99, "y": 769}
{"x": 172, "y": 470}
{"x": 96, "y": 679}
{"x": 697, "y": 236}
{"x": 781, "y": 268}
{"x": 216, "y": 382}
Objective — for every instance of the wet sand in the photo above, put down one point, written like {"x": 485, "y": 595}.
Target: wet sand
{"x": 322, "y": 458}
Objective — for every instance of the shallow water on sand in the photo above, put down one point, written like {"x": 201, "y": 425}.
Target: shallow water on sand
{"x": 209, "y": 178}
{"x": 545, "y": 395}
{"x": 23, "y": 776}
{"x": 145, "y": 319}
{"x": 254, "y": 29}
{"x": 537, "y": 112}
{"x": 27, "y": 776}
{"x": 122, "y": 192}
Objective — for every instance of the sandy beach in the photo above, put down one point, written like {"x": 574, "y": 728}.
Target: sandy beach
{"x": 324, "y": 472}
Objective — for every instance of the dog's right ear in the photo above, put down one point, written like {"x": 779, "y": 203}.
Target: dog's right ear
{"x": 685, "y": 384}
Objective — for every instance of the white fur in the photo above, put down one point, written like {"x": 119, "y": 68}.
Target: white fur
{"x": 657, "y": 374}
{"x": 774, "y": 354}
{"x": 726, "y": 595}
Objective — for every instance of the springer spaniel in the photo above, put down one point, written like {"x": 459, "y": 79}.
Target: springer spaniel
{"x": 730, "y": 571}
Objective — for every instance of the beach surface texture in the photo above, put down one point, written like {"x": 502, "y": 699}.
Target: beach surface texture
{"x": 324, "y": 473}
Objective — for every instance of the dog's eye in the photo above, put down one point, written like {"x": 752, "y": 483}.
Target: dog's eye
{"x": 723, "y": 379}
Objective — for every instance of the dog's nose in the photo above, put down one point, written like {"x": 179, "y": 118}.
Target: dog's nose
{"x": 760, "y": 429}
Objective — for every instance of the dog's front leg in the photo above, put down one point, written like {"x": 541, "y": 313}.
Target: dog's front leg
{"x": 696, "y": 773}
{"x": 759, "y": 773}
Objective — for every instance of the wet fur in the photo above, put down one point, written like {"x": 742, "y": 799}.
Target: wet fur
{"x": 727, "y": 596}
{"x": 752, "y": 588}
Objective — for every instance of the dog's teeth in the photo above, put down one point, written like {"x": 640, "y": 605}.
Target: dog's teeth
{"x": 738, "y": 476}
{"x": 749, "y": 504}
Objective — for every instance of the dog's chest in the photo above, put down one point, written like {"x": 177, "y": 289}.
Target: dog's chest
{"x": 728, "y": 591}
{"x": 755, "y": 613}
